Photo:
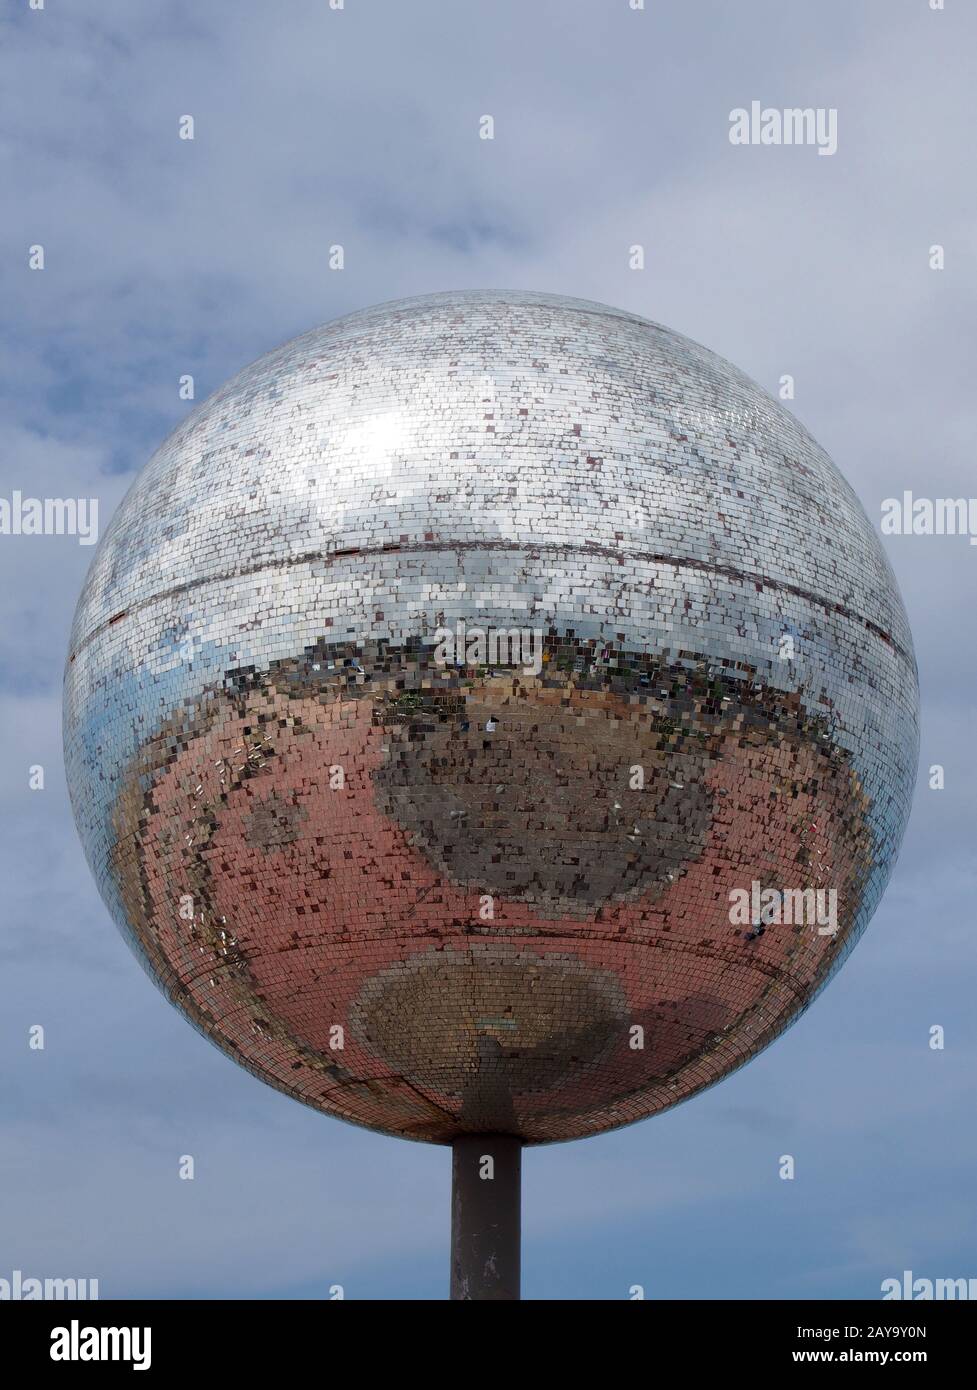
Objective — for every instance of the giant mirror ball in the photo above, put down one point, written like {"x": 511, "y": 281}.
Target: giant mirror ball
{"x": 444, "y": 685}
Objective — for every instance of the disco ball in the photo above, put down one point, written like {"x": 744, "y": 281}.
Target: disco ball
{"x": 459, "y": 695}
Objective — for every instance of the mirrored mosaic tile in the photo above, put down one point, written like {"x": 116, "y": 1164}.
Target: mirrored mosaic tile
{"x": 489, "y": 889}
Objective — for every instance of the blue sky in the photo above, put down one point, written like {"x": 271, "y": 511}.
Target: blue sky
{"x": 165, "y": 257}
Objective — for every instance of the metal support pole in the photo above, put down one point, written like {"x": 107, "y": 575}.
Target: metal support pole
{"x": 486, "y": 1190}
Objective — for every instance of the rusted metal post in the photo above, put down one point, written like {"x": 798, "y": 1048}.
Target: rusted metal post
{"x": 486, "y": 1216}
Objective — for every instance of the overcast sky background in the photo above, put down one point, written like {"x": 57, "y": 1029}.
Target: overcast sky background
{"x": 165, "y": 257}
